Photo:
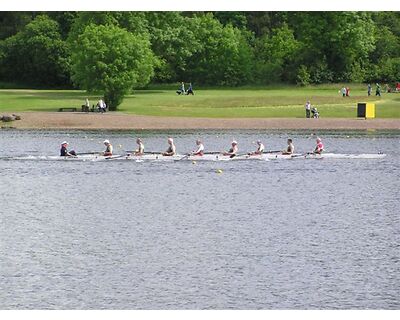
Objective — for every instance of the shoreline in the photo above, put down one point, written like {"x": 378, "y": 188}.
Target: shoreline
{"x": 121, "y": 121}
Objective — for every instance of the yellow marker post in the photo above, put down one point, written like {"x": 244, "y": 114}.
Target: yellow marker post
{"x": 370, "y": 111}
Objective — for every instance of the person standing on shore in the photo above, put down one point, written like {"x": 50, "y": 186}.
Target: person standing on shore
{"x": 378, "y": 90}
{"x": 308, "y": 109}
{"x": 369, "y": 89}
{"x": 190, "y": 90}
{"x": 343, "y": 91}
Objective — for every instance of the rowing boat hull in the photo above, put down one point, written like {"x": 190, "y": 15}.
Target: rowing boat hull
{"x": 206, "y": 157}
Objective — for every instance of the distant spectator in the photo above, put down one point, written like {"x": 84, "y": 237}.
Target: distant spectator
{"x": 347, "y": 92}
{"x": 387, "y": 88}
{"x": 397, "y": 87}
{"x": 190, "y": 90}
{"x": 343, "y": 91}
{"x": 181, "y": 90}
{"x": 378, "y": 90}
{"x": 86, "y": 107}
{"x": 369, "y": 89}
{"x": 308, "y": 109}
{"x": 101, "y": 106}
{"x": 315, "y": 113}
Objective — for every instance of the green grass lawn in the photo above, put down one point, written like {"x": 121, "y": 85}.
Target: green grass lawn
{"x": 284, "y": 101}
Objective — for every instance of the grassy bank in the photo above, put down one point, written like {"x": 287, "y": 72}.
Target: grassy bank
{"x": 259, "y": 102}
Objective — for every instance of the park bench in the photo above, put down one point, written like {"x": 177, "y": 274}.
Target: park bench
{"x": 67, "y": 109}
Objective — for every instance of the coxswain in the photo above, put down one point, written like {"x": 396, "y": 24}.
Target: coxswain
{"x": 232, "y": 151}
{"x": 319, "y": 147}
{"x": 200, "y": 149}
{"x": 109, "y": 148}
{"x": 290, "y": 147}
{"x": 171, "y": 151}
{"x": 259, "y": 150}
{"x": 64, "y": 152}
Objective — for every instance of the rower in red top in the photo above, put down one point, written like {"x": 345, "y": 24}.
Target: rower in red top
{"x": 200, "y": 149}
{"x": 319, "y": 147}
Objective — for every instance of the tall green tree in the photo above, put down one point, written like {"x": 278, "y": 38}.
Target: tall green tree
{"x": 173, "y": 42}
{"x": 225, "y": 56}
{"x": 36, "y": 55}
{"x": 334, "y": 43}
{"x": 274, "y": 53}
{"x": 111, "y": 60}
{"x": 13, "y": 22}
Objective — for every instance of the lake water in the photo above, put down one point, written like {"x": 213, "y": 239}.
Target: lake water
{"x": 289, "y": 234}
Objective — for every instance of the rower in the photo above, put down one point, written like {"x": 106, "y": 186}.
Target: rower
{"x": 319, "y": 147}
{"x": 200, "y": 149}
{"x": 290, "y": 148}
{"x": 109, "y": 148}
{"x": 232, "y": 151}
{"x": 64, "y": 152}
{"x": 259, "y": 150}
{"x": 171, "y": 151}
{"x": 140, "y": 149}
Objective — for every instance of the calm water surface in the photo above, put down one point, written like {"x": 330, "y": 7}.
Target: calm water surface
{"x": 299, "y": 234}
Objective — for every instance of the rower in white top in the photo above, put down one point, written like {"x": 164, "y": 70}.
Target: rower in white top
{"x": 171, "y": 151}
{"x": 290, "y": 147}
{"x": 139, "y": 151}
{"x": 109, "y": 148}
{"x": 200, "y": 149}
{"x": 259, "y": 150}
{"x": 319, "y": 148}
{"x": 233, "y": 150}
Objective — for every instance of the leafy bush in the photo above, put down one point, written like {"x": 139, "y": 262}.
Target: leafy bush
{"x": 303, "y": 76}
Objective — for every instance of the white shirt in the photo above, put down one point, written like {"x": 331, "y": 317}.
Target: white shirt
{"x": 260, "y": 148}
{"x": 308, "y": 106}
{"x": 200, "y": 148}
{"x": 141, "y": 147}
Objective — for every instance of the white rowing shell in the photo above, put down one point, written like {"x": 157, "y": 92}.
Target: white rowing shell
{"x": 206, "y": 157}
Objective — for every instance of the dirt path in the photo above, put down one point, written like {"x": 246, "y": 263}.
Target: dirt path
{"x": 120, "y": 121}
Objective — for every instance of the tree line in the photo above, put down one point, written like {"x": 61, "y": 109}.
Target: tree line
{"x": 117, "y": 51}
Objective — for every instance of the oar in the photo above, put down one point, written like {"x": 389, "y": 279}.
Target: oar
{"x": 238, "y": 155}
{"x": 87, "y": 153}
{"x": 114, "y": 157}
{"x": 300, "y": 155}
{"x": 184, "y": 157}
{"x": 146, "y": 152}
{"x": 272, "y": 151}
